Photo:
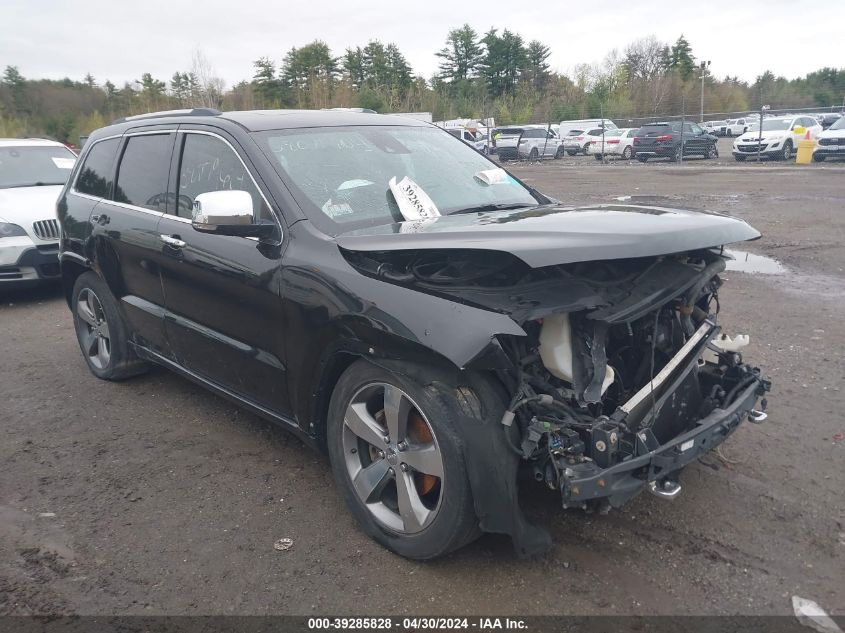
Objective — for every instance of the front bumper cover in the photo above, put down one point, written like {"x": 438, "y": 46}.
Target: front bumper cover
{"x": 621, "y": 482}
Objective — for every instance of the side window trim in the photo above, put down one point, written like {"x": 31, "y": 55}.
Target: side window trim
{"x": 180, "y": 145}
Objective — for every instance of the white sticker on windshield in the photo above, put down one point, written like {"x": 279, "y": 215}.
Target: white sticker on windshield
{"x": 63, "y": 163}
{"x": 494, "y": 176}
{"x": 336, "y": 210}
{"x": 413, "y": 202}
{"x": 353, "y": 184}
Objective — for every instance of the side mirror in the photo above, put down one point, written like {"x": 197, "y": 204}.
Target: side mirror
{"x": 227, "y": 213}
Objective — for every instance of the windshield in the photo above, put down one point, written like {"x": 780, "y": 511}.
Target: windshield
{"x": 771, "y": 125}
{"x": 341, "y": 176}
{"x": 31, "y": 166}
{"x": 839, "y": 125}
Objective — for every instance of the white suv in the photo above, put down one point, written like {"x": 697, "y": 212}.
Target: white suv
{"x": 778, "y": 139}
{"x": 32, "y": 174}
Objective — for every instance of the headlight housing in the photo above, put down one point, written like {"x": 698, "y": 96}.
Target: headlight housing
{"x": 7, "y": 229}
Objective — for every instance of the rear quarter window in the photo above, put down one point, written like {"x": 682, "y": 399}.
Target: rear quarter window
{"x": 96, "y": 174}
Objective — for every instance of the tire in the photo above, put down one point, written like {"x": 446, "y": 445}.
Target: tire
{"x": 559, "y": 153}
{"x": 712, "y": 152}
{"x": 786, "y": 152}
{"x": 676, "y": 155}
{"x": 819, "y": 158}
{"x": 100, "y": 331}
{"x": 584, "y": 149}
{"x": 739, "y": 159}
{"x": 627, "y": 153}
{"x": 598, "y": 156}
{"x": 572, "y": 152}
{"x": 427, "y": 527}
{"x": 534, "y": 154}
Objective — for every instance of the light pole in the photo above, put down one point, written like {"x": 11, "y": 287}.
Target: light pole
{"x": 703, "y": 66}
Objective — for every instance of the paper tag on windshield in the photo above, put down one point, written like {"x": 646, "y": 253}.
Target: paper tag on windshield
{"x": 493, "y": 176}
{"x": 414, "y": 203}
{"x": 334, "y": 210}
{"x": 64, "y": 163}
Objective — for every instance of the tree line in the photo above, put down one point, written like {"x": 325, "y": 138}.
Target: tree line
{"x": 495, "y": 73}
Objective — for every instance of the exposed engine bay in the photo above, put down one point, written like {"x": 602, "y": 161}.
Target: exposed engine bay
{"x": 623, "y": 376}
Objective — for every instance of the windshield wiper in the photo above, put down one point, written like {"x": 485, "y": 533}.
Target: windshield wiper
{"x": 494, "y": 207}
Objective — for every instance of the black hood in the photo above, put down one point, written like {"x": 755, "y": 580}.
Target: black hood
{"x": 553, "y": 234}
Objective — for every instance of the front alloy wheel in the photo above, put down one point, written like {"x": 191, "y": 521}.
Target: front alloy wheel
{"x": 398, "y": 458}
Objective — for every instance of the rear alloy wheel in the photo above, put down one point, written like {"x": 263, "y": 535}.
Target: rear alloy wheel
{"x": 100, "y": 331}
{"x": 627, "y": 153}
{"x": 786, "y": 152}
{"x": 398, "y": 462}
{"x": 533, "y": 154}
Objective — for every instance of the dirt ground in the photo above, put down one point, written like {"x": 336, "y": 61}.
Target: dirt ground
{"x": 155, "y": 497}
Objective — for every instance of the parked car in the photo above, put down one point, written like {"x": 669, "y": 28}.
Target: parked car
{"x": 736, "y": 127}
{"x": 578, "y": 142}
{"x": 778, "y": 139}
{"x": 577, "y": 126}
{"x": 476, "y": 141}
{"x": 716, "y": 128}
{"x": 423, "y": 316}
{"x": 539, "y": 142}
{"x": 32, "y": 173}
{"x": 505, "y": 140}
{"x": 828, "y": 119}
{"x": 663, "y": 140}
{"x": 619, "y": 142}
{"x": 831, "y": 142}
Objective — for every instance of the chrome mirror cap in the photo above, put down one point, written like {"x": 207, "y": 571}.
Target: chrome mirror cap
{"x": 222, "y": 208}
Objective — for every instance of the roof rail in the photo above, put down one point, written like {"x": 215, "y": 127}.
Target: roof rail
{"x": 169, "y": 113}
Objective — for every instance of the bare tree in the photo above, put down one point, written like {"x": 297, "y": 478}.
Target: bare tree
{"x": 208, "y": 92}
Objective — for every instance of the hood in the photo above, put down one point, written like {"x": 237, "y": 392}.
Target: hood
{"x": 550, "y": 235}
{"x": 25, "y": 205}
{"x": 767, "y": 136}
{"x": 828, "y": 133}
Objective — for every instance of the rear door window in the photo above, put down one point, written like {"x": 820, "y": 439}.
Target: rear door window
{"x": 143, "y": 171}
{"x": 97, "y": 172}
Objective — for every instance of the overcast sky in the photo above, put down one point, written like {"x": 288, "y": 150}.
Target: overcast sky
{"x": 118, "y": 40}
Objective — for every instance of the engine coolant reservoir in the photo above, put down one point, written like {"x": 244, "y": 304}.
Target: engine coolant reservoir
{"x": 556, "y": 349}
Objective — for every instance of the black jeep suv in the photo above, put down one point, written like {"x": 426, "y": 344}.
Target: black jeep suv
{"x": 664, "y": 140}
{"x": 391, "y": 296}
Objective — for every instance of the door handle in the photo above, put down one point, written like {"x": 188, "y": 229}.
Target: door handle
{"x": 173, "y": 240}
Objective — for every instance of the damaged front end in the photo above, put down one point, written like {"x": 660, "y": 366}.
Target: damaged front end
{"x": 623, "y": 376}
{"x": 615, "y": 399}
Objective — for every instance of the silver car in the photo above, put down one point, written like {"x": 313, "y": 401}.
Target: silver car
{"x": 539, "y": 142}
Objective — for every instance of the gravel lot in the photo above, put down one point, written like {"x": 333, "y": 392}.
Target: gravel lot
{"x": 155, "y": 497}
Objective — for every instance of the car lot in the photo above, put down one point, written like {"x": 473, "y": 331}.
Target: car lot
{"x": 154, "y": 496}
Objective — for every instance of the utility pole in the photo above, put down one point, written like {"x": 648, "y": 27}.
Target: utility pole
{"x": 703, "y": 67}
{"x": 683, "y": 124}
